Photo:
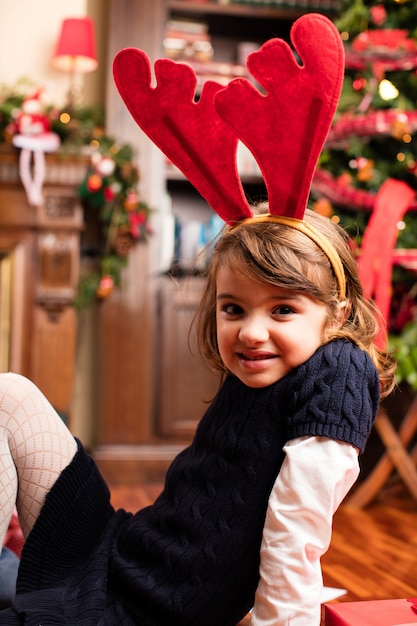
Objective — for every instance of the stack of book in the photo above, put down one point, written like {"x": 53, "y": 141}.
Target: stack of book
{"x": 189, "y": 41}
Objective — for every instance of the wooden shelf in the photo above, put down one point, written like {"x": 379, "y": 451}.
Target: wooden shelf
{"x": 172, "y": 173}
{"x": 241, "y": 10}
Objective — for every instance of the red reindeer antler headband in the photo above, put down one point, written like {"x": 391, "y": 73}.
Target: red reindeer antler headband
{"x": 285, "y": 128}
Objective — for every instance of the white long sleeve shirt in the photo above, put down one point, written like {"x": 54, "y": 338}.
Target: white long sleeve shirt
{"x": 315, "y": 476}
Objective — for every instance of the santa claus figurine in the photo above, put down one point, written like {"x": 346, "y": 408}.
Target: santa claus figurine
{"x": 34, "y": 137}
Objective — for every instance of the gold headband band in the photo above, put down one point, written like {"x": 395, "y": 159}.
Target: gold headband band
{"x": 320, "y": 240}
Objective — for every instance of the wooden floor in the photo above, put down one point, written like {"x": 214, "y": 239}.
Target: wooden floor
{"x": 373, "y": 554}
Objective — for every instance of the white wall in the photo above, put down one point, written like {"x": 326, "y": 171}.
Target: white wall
{"x": 29, "y": 30}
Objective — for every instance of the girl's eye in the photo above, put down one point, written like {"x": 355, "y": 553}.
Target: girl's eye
{"x": 283, "y": 309}
{"x": 232, "y": 309}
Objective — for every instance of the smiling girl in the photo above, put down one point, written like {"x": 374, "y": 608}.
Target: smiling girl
{"x": 275, "y": 312}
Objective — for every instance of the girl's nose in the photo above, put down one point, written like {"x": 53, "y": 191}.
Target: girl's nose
{"x": 253, "y": 330}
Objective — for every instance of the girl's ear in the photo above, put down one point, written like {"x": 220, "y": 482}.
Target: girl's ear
{"x": 343, "y": 312}
{"x": 337, "y": 318}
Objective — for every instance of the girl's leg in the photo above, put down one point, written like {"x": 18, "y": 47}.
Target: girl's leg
{"x": 35, "y": 446}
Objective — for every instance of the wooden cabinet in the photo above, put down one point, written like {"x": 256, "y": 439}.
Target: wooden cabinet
{"x": 39, "y": 263}
{"x": 185, "y": 386}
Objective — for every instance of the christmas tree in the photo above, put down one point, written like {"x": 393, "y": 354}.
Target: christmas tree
{"x": 367, "y": 175}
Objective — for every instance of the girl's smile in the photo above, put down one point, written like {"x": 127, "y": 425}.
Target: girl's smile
{"x": 264, "y": 331}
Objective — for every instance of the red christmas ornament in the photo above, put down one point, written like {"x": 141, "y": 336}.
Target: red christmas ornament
{"x": 135, "y": 222}
{"x": 109, "y": 193}
{"x": 359, "y": 84}
{"x": 94, "y": 183}
{"x": 131, "y": 201}
{"x": 378, "y": 14}
{"x": 105, "y": 287}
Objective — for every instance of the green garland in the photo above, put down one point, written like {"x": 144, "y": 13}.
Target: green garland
{"x": 109, "y": 193}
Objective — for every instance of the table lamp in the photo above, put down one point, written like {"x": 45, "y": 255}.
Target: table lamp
{"x": 75, "y": 51}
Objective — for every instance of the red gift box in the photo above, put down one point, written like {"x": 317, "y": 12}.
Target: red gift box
{"x": 373, "y": 613}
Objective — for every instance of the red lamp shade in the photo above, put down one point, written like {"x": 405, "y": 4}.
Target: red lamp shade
{"x": 76, "y": 50}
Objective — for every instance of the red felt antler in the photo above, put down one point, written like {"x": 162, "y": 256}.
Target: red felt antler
{"x": 191, "y": 134}
{"x": 284, "y": 129}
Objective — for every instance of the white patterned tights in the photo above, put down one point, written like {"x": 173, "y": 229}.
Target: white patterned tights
{"x": 35, "y": 446}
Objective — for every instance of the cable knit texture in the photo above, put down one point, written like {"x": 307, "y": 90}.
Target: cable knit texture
{"x": 191, "y": 558}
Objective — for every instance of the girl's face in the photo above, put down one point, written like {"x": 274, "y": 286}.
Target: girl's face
{"x": 264, "y": 331}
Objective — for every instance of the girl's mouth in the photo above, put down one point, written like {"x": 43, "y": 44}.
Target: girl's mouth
{"x": 255, "y": 357}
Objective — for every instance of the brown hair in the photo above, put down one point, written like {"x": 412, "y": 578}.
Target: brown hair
{"x": 281, "y": 255}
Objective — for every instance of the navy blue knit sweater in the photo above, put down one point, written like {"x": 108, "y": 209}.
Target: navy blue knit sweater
{"x": 191, "y": 558}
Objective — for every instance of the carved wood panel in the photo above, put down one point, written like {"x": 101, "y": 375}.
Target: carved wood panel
{"x": 39, "y": 275}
